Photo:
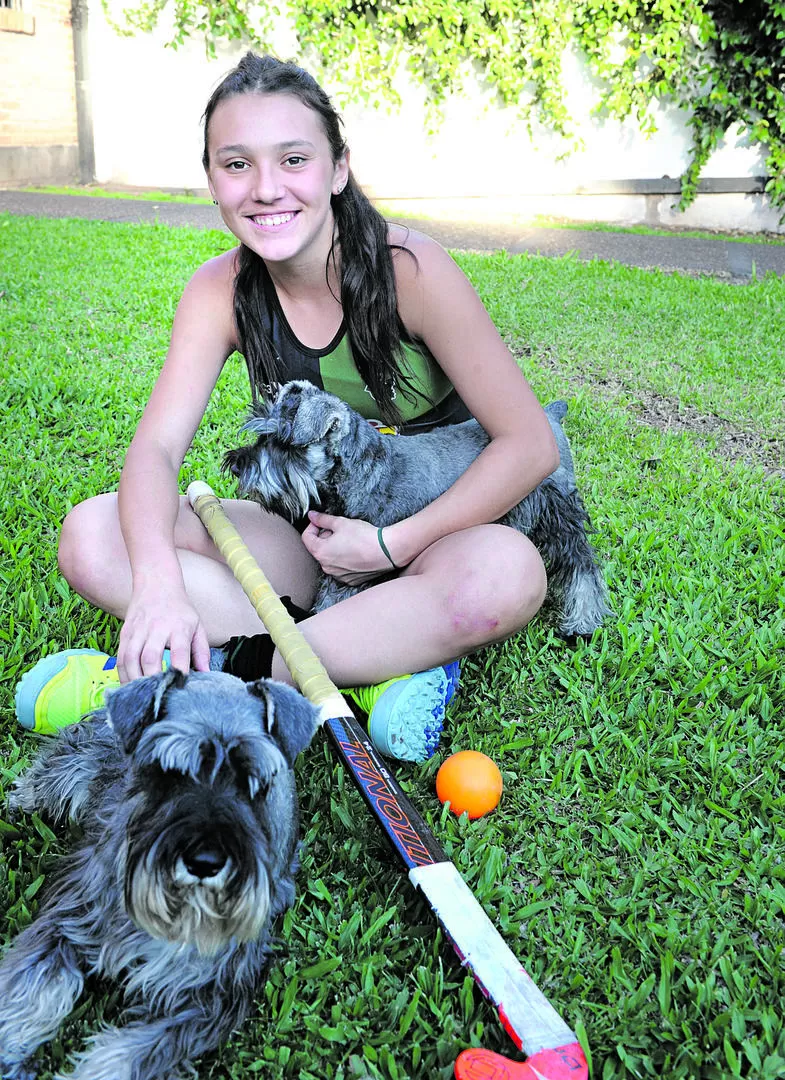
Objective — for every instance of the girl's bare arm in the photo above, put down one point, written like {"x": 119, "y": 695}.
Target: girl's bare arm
{"x": 160, "y": 612}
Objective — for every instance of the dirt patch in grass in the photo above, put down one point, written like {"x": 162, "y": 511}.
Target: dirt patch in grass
{"x": 717, "y": 434}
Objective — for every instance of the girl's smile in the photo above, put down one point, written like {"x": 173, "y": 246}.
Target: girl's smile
{"x": 274, "y": 221}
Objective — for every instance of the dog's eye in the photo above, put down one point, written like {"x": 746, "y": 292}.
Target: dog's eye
{"x": 207, "y": 769}
{"x": 247, "y": 772}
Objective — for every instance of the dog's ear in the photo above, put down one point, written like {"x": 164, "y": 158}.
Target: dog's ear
{"x": 133, "y": 707}
{"x": 261, "y": 425}
{"x": 315, "y": 418}
{"x": 289, "y": 718}
{"x": 260, "y": 420}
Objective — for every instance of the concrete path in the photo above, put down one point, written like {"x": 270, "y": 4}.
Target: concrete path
{"x": 719, "y": 257}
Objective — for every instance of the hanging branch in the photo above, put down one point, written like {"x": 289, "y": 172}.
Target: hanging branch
{"x": 723, "y": 61}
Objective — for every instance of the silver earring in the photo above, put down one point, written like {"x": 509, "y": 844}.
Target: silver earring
{"x": 215, "y": 202}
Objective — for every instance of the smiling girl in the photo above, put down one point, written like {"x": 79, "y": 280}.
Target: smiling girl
{"x": 320, "y": 287}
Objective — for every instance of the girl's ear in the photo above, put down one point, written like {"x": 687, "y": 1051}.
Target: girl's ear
{"x": 341, "y": 176}
{"x": 210, "y": 185}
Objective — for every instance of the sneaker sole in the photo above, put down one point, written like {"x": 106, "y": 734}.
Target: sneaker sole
{"x": 453, "y": 673}
{"x": 396, "y": 728}
{"x": 33, "y": 681}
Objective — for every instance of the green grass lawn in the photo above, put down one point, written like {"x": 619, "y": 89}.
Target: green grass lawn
{"x": 635, "y": 864}
{"x": 109, "y": 193}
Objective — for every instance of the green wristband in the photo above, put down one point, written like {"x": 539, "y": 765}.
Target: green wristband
{"x": 383, "y": 546}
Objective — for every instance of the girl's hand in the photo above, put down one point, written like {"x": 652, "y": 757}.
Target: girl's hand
{"x": 157, "y": 619}
{"x": 345, "y": 548}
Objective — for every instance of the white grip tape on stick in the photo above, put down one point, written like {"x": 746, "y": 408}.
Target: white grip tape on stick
{"x": 527, "y": 1011}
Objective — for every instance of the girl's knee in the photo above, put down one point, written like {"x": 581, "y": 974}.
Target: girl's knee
{"x": 498, "y": 594}
{"x": 70, "y": 545}
{"x": 85, "y": 536}
{"x": 527, "y": 572}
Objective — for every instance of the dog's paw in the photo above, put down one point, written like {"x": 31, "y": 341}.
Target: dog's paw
{"x": 582, "y": 626}
{"x": 21, "y": 802}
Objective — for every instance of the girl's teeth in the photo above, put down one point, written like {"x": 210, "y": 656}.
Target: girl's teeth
{"x": 273, "y": 219}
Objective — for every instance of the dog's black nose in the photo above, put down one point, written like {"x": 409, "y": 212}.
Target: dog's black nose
{"x": 205, "y": 862}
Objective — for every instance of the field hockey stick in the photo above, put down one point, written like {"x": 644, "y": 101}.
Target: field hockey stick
{"x": 552, "y": 1049}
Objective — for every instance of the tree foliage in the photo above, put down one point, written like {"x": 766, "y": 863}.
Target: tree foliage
{"x": 721, "y": 60}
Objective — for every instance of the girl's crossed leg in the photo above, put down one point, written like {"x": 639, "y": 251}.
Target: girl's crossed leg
{"x": 467, "y": 590}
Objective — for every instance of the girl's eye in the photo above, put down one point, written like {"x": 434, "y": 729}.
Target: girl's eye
{"x": 236, "y": 166}
{"x": 295, "y": 159}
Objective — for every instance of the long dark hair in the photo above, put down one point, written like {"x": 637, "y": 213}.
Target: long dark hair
{"x": 367, "y": 278}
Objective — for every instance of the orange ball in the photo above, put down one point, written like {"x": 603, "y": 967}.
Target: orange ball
{"x": 471, "y": 782}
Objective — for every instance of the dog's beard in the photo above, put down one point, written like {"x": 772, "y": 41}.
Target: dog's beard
{"x": 170, "y": 903}
{"x": 285, "y": 481}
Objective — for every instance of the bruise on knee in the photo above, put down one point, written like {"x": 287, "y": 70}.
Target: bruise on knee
{"x": 473, "y": 617}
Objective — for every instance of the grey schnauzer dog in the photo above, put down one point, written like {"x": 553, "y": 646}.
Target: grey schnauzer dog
{"x": 313, "y": 452}
{"x": 184, "y": 793}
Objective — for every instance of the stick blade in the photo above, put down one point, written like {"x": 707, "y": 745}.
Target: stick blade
{"x": 563, "y": 1063}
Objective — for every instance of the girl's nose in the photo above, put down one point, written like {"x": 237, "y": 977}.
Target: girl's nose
{"x": 267, "y": 184}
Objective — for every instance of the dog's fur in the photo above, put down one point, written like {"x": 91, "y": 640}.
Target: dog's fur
{"x": 184, "y": 792}
{"x": 313, "y": 452}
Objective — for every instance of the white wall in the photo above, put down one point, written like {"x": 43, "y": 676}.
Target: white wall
{"x": 147, "y": 104}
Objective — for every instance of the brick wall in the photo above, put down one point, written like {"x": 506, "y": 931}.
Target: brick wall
{"x": 37, "y": 92}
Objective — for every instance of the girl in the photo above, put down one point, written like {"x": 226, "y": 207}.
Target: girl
{"x": 319, "y": 287}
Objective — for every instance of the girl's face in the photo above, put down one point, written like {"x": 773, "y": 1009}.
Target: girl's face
{"x": 272, "y": 174}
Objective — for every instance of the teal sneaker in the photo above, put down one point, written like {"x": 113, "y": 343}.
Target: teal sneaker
{"x": 62, "y": 688}
{"x": 406, "y": 714}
